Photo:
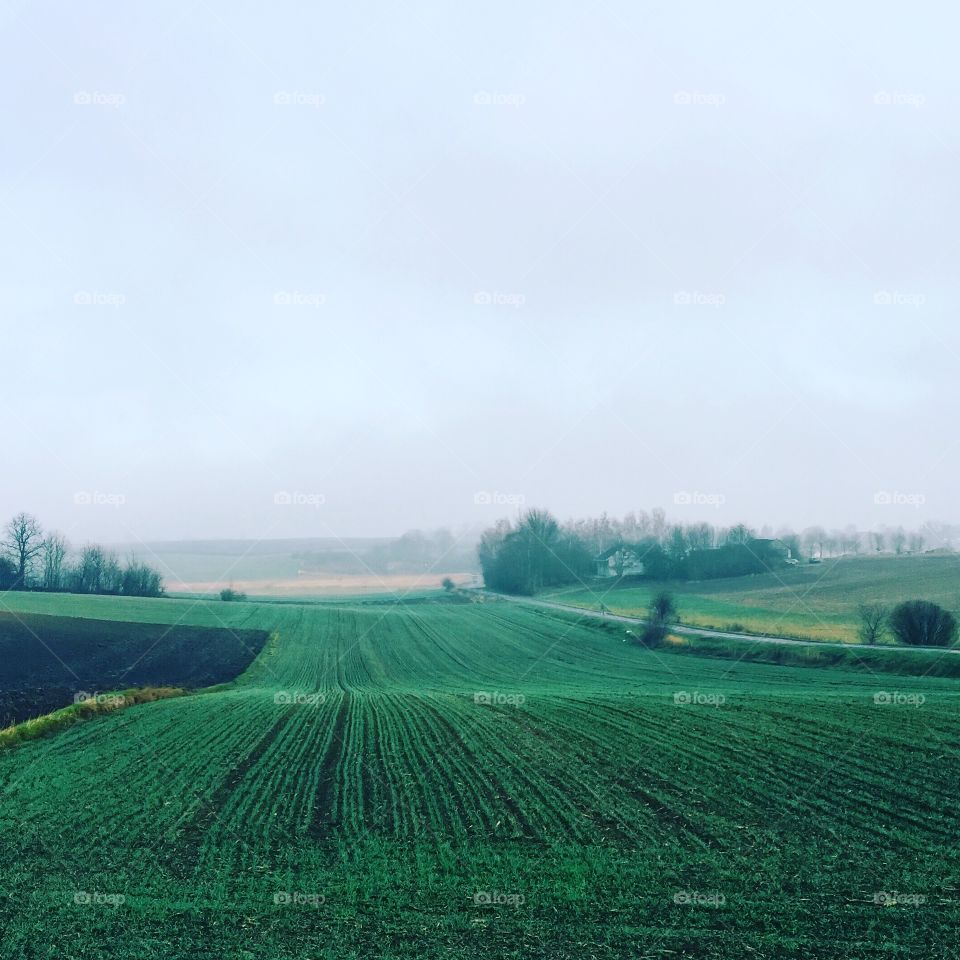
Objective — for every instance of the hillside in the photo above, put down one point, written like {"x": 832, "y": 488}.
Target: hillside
{"x": 817, "y": 601}
{"x": 472, "y": 780}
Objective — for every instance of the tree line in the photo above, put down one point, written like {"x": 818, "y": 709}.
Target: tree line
{"x": 537, "y": 551}
{"x": 34, "y": 559}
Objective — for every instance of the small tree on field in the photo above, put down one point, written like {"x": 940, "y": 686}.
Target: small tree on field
{"x": 923, "y": 623}
{"x": 873, "y": 622}
{"x": 661, "y": 613}
{"x": 230, "y": 595}
{"x": 448, "y": 585}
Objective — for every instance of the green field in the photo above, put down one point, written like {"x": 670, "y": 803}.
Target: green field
{"x": 817, "y": 601}
{"x": 484, "y": 780}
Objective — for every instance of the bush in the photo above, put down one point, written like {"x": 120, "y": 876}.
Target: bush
{"x": 653, "y": 635}
{"x": 921, "y": 623}
{"x": 231, "y": 595}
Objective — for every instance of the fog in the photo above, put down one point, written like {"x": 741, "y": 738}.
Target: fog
{"x": 279, "y": 271}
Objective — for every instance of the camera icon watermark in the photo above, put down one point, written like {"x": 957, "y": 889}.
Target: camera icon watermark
{"x": 688, "y": 498}
{"x": 96, "y": 298}
{"x": 296, "y": 898}
{"x": 296, "y": 698}
{"x": 698, "y": 98}
{"x": 494, "y": 298}
{"x": 697, "y": 698}
{"x": 287, "y": 498}
{"x": 496, "y": 699}
{"x": 894, "y": 698}
{"x": 96, "y": 98}
{"x": 299, "y": 98}
{"x": 486, "y": 98}
{"x": 496, "y": 898}
{"x": 697, "y": 298}
{"x": 296, "y": 298}
{"x": 895, "y": 298}
{"x": 486, "y": 498}
{"x": 894, "y": 498}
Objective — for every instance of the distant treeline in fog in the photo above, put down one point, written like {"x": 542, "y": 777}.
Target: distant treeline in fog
{"x": 34, "y": 559}
{"x": 537, "y": 551}
{"x": 414, "y": 552}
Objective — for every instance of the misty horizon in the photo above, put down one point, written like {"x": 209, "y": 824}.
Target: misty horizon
{"x": 604, "y": 260}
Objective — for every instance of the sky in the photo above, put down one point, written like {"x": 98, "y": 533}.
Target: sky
{"x": 278, "y": 270}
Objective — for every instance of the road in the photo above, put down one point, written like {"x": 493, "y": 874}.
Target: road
{"x": 702, "y": 631}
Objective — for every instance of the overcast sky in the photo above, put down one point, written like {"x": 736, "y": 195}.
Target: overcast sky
{"x": 410, "y": 264}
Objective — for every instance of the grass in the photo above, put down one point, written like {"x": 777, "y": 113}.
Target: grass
{"x": 812, "y": 602}
{"x": 94, "y": 706}
{"x": 460, "y": 780}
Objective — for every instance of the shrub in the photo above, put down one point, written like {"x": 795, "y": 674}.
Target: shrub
{"x": 230, "y": 595}
{"x": 923, "y": 623}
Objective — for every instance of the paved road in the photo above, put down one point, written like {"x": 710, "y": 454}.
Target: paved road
{"x": 701, "y": 631}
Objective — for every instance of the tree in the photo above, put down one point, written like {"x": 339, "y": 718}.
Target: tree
{"x": 55, "y": 549}
{"x": 23, "y": 543}
{"x": 923, "y": 623}
{"x": 8, "y": 574}
{"x": 229, "y": 595}
{"x": 898, "y": 540}
{"x": 660, "y": 614}
{"x": 877, "y": 540}
{"x": 139, "y": 580}
{"x": 448, "y": 584}
{"x": 873, "y": 622}
{"x": 741, "y": 534}
{"x": 813, "y": 538}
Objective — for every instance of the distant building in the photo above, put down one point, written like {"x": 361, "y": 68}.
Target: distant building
{"x": 617, "y": 561}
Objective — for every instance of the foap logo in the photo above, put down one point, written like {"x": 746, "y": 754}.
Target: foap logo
{"x": 893, "y": 898}
{"x": 898, "y": 98}
{"x": 97, "y": 98}
{"x": 101, "y": 699}
{"x": 696, "y": 298}
{"x": 296, "y": 698}
{"x": 494, "y": 298}
{"x": 894, "y": 498}
{"x": 894, "y": 698}
{"x": 486, "y": 498}
{"x": 97, "y": 298}
{"x": 286, "y": 498}
{"x": 696, "y": 898}
{"x": 295, "y": 298}
{"x": 296, "y": 898}
{"x": 298, "y": 98}
{"x": 94, "y": 498}
{"x": 895, "y": 298}
{"x": 694, "y": 498}
{"x": 494, "y": 698}
{"x": 486, "y": 98}
{"x": 497, "y": 898}
{"x": 698, "y": 98}
{"x": 87, "y": 898}
{"x": 697, "y": 698}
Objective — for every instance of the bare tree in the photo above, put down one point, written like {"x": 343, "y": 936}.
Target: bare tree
{"x": 898, "y": 540}
{"x": 24, "y": 541}
{"x": 813, "y": 538}
{"x": 873, "y": 622}
{"x": 740, "y": 534}
{"x": 55, "y": 549}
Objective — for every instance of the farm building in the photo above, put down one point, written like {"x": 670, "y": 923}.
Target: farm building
{"x": 617, "y": 561}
